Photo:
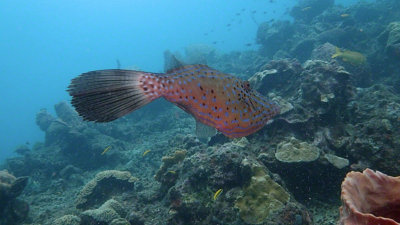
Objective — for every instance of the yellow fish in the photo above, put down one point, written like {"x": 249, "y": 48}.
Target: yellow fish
{"x": 354, "y": 58}
{"x": 106, "y": 150}
{"x": 145, "y": 153}
{"x": 344, "y": 15}
{"x": 217, "y": 193}
{"x": 172, "y": 171}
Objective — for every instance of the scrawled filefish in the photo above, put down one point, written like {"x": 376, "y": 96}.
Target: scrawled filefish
{"x": 214, "y": 98}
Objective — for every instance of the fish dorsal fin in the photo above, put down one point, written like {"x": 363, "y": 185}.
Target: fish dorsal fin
{"x": 171, "y": 62}
{"x": 204, "y": 132}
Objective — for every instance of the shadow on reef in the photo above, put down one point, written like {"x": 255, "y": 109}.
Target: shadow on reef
{"x": 333, "y": 71}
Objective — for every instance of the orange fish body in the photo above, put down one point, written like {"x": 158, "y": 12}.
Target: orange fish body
{"x": 216, "y": 99}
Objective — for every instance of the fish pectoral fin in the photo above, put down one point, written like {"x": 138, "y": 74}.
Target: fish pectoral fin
{"x": 203, "y": 131}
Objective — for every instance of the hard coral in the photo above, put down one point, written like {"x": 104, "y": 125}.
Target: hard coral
{"x": 294, "y": 150}
{"x": 169, "y": 161}
{"x": 370, "y": 198}
{"x": 105, "y": 214}
{"x": 67, "y": 220}
{"x": 261, "y": 198}
{"x": 105, "y": 184}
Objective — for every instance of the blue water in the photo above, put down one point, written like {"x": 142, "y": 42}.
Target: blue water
{"x": 46, "y": 43}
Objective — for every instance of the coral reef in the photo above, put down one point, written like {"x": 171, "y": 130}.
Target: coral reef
{"x": 335, "y": 117}
{"x": 167, "y": 173}
{"x": 67, "y": 220}
{"x": 227, "y": 167}
{"x": 111, "y": 212}
{"x": 104, "y": 185}
{"x": 261, "y": 198}
{"x": 12, "y": 210}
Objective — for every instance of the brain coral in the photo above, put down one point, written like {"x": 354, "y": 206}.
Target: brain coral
{"x": 261, "y": 198}
{"x": 67, "y": 220}
{"x": 108, "y": 212}
{"x": 103, "y": 186}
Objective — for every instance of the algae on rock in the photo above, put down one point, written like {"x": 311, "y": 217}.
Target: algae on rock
{"x": 261, "y": 197}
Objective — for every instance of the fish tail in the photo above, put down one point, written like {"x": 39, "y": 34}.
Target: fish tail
{"x": 106, "y": 95}
{"x": 337, "y": 53}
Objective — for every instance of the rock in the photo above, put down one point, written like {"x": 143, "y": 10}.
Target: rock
{"x": 103, "y": 186}
{"x": 294, "y": 151}
{"x": 273, "y": 37}
{"x": 135, "y": 219}
{"x": 44, "y": 119}
{"x": 17, "y": 187}
{"x": 306, "y": 10}
{"x": 302, "y": 50}
{"x": 10, "y": 186}
{"x": 275, "y": 75}
{"x": 241, "y": 142}
{"x": 120, "y": 221}
{"x": 227, "y": 167}
{"x": 67, "y": 114}
{"x": 67, "y": 171}
{"x": 67, "y": 220}
{"x": 166, "y": 175}
{"x": 12, "y": 210}
{"x": 337, "y": 161}
{"x": 111, "y": 212}
{"x": 323, "y": 52}
{"x": 335, "y": 36}
{"x": 22, "y": 150}
{"x": 261, "y": 198}
{"x": 391, "y": 39}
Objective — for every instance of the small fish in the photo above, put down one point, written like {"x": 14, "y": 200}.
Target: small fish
{"x": 172, "y": 171}
{"x": 228, "y": 25}
{"x": 344, "y": 15}
{"x": 249, "y": 44}
{"x": 237, "y": 14}
{"x": 145, "y": 153}
{"x": 217, "y": 193}
{"x": 306, "y": 9}
{"x": 214, "y": 98}
{"x": 106, "y": 150}
{"x": 354, "y": 58}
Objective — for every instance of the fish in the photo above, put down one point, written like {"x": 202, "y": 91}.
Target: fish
{"x": 106, "y": 150}
{"x": 214, "y": 98}
{"x": 171, "y": 171}
{"x": 354, "y": 58}
{"x": 344, "y": 15}
{"x": 145, "y": 153}
{"x": 306, "y": 9}
{"x": 217, "y": 193}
